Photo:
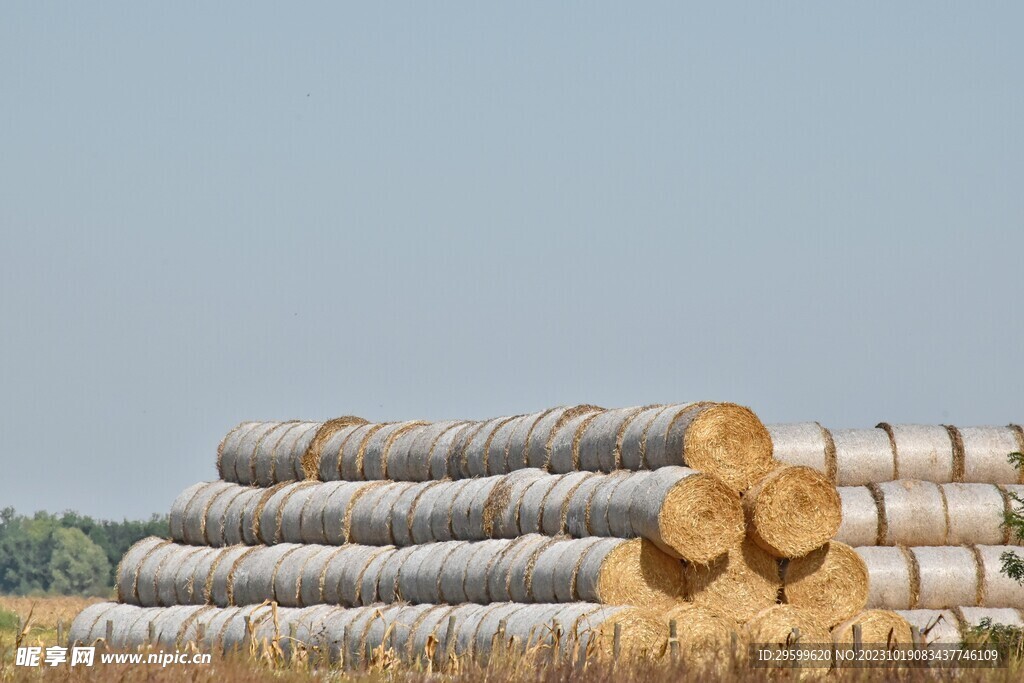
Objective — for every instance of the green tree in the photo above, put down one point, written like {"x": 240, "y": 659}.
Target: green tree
{"x": 77, "y": 565}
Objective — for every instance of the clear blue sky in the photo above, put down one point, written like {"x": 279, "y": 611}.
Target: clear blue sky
{"x": 212, "y": 213}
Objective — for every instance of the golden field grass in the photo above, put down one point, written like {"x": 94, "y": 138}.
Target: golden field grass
{"x": 514, "y": 668}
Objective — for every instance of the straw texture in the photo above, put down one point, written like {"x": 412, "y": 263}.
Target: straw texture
{"x": 830, "y": 583}
{"x": 737, "y": 585}
{"x": 792, "y": 511}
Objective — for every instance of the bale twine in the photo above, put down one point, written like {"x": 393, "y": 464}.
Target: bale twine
{"x": 877, "y": 626}
{"x": 722, "y": 439}
{"x": 921, "y": 451}
{"x": 863, "y": 456}
{"x": 985, "y": 450}
{"x": 805, "y": 444}
{"x": 776, "y": 625}
{"x": 325, "y": 433}
{"x": 792, "y": 511}
{"x": 737, "y": 585}
{"x": 830, "y": 583}
{"x": 699, "y": 630}
{"x": 565, "y": 444}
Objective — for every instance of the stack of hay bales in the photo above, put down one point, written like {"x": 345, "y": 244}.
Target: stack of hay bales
{"x": 923, "y": 508}
{"x": 366, "y": 537}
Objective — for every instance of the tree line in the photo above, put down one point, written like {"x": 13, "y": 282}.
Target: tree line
{"x": 66, "y": 553}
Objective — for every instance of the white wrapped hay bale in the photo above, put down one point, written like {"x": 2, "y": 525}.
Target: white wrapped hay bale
{"x": 804, "y": 443}
{"x": 544, "y": 429}
{"x": 265, "y": 453}
{"x": 565, "y": 446}
{"x": 923, "y": 452}
{"x": 477, "y": 454}
{"x": 863, "y": 456}
{"x": 378, "y": 449}
{"x": 985, "y": 454}
{"x": 939, "y": 577}
{"x": 860, "y": 525}
{"x": 326, "y": 443}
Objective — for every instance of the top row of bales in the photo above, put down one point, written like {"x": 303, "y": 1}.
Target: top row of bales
{"x": 721, "y": 439}
{"x": 936, "y": 453}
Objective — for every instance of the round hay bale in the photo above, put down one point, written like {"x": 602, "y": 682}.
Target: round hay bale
{"x": 252, "y": 515}
{"x": 84, "y": 626}
{"x": 985, "y": 450}
{"x": 699, "y": 630}
{"x": 530, "y": 628}
{"x": 578, "y": 509}
{"x": 622, "y": 499}
{"x": 370, "y": 583}
{"x": 519, "y": 583}
{"x": 433, "y": 501}
{"x": 461, "y": 509}
{"x": 532, "y": 504}
{"x": 995, "y": 588}
{"x": 241, "y": 507}
{"x": 337, "y": 633}
{"x": 633, "y": 572}
{"x": 441, "y": 511}
{"x": 443, "y": 453}
{"x": 325, "y": 434}
{"x": 313, "y": 575}
{"x": 538, "y": 448}
{"x": 262, "y": 458}
{"x": 237, "y": 458}
{"x": 387, "y": 581}
{"x": 289, "y": 526}
{"x": 599, "y": 446}
{"x": 454, "y": 570}
{"x": 792, "y": 511}
{"x": 267, "y": 513}
{"x": 642, "y": 632}
{"x": 948, "y": 577}
{"x": 501, "y": 442}
{"x": 287, "y": 458}
{"x": 860, "y": 516}
{"x": 354, "y": 449}
{"x": 403, "y": 512}
{"x": 688, "y": 514}
{"x": 922, "y": 451}
{"x": 468, "y": 618}
{"x": 721, "y": 439}
{"x": 736, "y": 585}
{"x": 863, "y": 456}
{"x": 633, "y": 445}
{"x": 228, "y": 450}
{"x": 402, "y": 627}
{"x": 191, "y": 577}
{"x": 803, "y": 443}
{"x": 915, "y": 513}
{"x": 502, "y": 568}
{"x": 893, "y": 580}
{"x": 877, "y": 626}
{"x": 338, "y": 502}
{"x": 484, "y": 509}
{"x": 329, "y": 468}
{"x": 458, "y": 465}
{"x": 218, "y": 582}
{"x": 146, "y": 587}
{"x": 178, "y": 507}
{"x": 975, "y": 514}
{"x": 378, "y": 447}
{"x": 517, "y": 457}
{"x": 597, "y": 515}
{"x": 555, "y": 505}
{"x": 830, "y": 583}
{"x": 126, "y": 576}
{"x": 217, "y": 515}
{"x": 972, "y": 617}
{"x": 431, "y": 625}
{"x": 251, "y": 580}
{"x": 344, "y": 573}
{"x": 477, "y": 453}
{"x": 379, "y": 530}
{"x": 487, "y": 638}
{"x": 176, "y": 574}
{"x": 400, "y": 452}
{"x": 776, "y": 624}
{"x": 563, "y": 448}
{"x": 287, "y": 579}
{"x": 426, "y": 580}
{"x": 554, "y": 570}
{"x": 507, "y": 500}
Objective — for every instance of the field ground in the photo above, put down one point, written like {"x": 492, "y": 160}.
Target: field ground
{"x": 47, "y": 612}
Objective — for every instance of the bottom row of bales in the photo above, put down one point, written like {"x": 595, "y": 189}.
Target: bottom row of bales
{"x": 416, "y": 633}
